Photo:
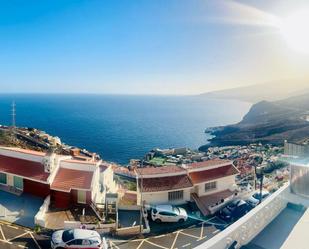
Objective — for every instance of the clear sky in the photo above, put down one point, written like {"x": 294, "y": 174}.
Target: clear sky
{"x": 143, "y": 46}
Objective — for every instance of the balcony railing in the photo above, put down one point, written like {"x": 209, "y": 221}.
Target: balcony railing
{"x": 246, "y": 228}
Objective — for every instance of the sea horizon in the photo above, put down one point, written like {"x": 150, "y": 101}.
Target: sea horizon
{"x": 122, "y": 127}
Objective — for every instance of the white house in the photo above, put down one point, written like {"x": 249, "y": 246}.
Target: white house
{"x": 209, "y": 183}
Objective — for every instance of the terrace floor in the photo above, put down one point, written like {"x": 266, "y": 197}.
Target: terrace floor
{"x": 19, "y": 209}
{"x": 55, "y": 218}
{"x": 277, "y": 232}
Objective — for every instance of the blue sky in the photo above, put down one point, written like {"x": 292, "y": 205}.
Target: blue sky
{"x": 137, "y": 46}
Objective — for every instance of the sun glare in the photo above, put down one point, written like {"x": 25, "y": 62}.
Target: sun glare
{"x": 295, "y": 29}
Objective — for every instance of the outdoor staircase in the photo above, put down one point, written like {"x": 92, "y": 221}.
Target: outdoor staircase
{"x": 97, "y": 211}
{"x": 204, "y": 210}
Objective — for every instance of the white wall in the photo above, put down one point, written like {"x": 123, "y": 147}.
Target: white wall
{"x": 222, "y": 184}
{"x": 107, "y": 178}
{"x": 95, "y": 190}
{"x": 155, "y": 198}
{"x": 78, "y": 166}
{"x": 21, "y": 155}
{"x": 250, "y": 225}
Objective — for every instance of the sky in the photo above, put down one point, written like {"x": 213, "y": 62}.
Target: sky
{"x": 144, "y": 47}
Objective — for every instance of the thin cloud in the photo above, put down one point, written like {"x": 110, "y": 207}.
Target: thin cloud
{"x": 236, "y": 13}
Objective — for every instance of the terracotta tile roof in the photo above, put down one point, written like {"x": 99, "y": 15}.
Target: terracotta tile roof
{"x": 67, "y": 179}
{"x": 165, "y": 183}
{"x": 160, "y": 170}
{"x": 23, "y": 168}
{"x": 207, "y": 201}
{"x": 208, "y": 163}
{"x": 212, "y": 174}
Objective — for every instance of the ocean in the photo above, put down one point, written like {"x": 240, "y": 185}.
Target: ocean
{"x": 122, "y": 127}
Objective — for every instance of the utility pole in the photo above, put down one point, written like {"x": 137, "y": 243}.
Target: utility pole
{"x": 139, "y": 179}
{"x": 254, "y": 176}
{"x": 13, "y": 113}
{"x": 260, "y": 175}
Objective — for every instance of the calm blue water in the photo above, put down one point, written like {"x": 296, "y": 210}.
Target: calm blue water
{"x": 122, "y": 127}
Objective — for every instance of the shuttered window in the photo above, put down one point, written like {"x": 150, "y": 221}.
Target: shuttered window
{"x": 210, "y": 186}
{"x": 175, "y": 195}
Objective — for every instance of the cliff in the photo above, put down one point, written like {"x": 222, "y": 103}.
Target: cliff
{"x": 266, "y": 122}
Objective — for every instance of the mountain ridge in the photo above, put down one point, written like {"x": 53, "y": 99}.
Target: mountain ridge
{"x": 270, "y": 91}
{"x": 266, "y": 122}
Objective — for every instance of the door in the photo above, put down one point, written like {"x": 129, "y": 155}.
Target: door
{"x": 18, "y": 182}
{"x": 81, "y": 196}
{"x": 3, "y": 179}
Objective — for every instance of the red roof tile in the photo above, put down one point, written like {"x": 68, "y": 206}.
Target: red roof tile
{"x": 208, "y": 163}
{"x": 151, "y": 170}
{"x": 67, "y": 179}
{"x": 23, "y": 168}
{"x": 166, "y": 183}
{"x": 212, "y": 174}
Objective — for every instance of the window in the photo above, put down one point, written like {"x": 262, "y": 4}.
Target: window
{"x": 210, "y": 186}
{"x": 175, "y": 195}
{"x": 76, "y": 242}
{"x": 67, "y": 235}
{"x": 18, "y": 182}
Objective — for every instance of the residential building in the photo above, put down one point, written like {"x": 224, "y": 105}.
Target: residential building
{"x": 208, "y": 183}
{"x": 66, "y": 180}
{"x": 296, "y": 149}
{"x": 164, "y": 184}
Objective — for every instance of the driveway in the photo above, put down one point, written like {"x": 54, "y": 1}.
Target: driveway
{"x": 128, "y": 218}
{"x": 16, "y": 237}
{"x": 19, "y": 209}
{"x": 186, "y": 237}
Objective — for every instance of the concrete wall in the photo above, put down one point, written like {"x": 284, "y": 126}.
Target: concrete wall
{"x": 39, "y": 218}
{"x": 155, "y": 198}
{"x": 250, "y": 225}
{"x": 21, "y": 155}
{"x": 222, "y": 184}
{"x": 78, "y": 165}
{"x": 36, "y": 188}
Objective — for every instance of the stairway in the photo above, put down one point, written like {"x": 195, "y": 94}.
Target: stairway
{"x": 204, "y": 210}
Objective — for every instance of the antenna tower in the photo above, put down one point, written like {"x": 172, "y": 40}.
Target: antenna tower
{"x": 13, "y": 114}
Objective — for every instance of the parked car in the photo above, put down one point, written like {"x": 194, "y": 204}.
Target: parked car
{"x": 235, "y": 210}
{"x": 255, "y": 198}
{"x": 77, "y": 238}
{"x": 168, "y": 213}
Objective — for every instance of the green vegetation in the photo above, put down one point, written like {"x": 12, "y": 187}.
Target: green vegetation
{"x": 275, "y": 165}
{"x": 126, "y": 182}
{"x": 157, "y": 161}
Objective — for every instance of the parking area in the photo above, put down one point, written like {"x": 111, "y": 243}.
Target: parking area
{"x": 19, "y": 209}
{"x": 186, "y": 237}
{"x": 128, "y": 218}
{"x": 17, "y": 237}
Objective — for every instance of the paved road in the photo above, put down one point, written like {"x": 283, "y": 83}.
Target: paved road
{"x": 16, "y": 237}
{"x": 183, "y": 238}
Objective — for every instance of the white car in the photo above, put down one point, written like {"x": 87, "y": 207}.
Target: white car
{"x": 255, "y": 198}
{"x": 168, "y": 213}
{"x": 76, "y": 238}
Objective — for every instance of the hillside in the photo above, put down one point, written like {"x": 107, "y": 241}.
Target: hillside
{"x": 271, "y": 91}
{"x": 267, "y": 122}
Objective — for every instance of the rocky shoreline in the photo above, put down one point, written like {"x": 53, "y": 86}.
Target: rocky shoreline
{"x": 266, "y": 122}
